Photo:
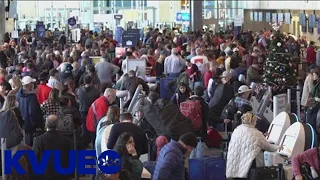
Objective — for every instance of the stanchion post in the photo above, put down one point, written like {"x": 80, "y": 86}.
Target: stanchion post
{"x": 3, "y": 148}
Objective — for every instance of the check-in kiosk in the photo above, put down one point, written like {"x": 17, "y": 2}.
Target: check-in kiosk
{"x": 279, "y": 126}
{"x": 297, "y": 138}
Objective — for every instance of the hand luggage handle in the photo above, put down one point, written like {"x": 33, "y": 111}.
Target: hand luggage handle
{"x": 3, "y": 148}
{"x": 76, "y": 176}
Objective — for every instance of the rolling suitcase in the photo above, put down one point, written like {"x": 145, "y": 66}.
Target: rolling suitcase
{"x": 208, "y": 168}
{"x": 165, "y": 91}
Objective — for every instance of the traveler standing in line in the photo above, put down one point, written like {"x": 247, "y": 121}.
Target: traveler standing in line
{"x": 29, "y": 108}
{"x": 87, "y": 94}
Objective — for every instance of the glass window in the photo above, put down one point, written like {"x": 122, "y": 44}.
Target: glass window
{"x": 95, "y": 3}
{"x": 118, "y": 4}
{"x": 126, "y": 4}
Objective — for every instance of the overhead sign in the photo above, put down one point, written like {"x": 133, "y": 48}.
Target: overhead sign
{"x": 130, "y": 37}
{"x": 238, "y": 21}
{"x": 118, "y": 16}
{"x": 72, "y": 21}
{"x": 183, "y": 17}
{"x": 41, "y": 30}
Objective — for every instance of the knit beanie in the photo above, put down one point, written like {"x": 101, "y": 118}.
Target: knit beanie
{"x": 189, "y": 139}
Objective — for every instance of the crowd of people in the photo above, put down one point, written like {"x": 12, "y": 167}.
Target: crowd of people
{"x": 49, "y": 90}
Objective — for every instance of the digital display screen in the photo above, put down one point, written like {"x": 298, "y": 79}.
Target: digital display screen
{"x": 183, "y": 17}
{"x": 288, "y": 143}
{"x": 274, "y": 133}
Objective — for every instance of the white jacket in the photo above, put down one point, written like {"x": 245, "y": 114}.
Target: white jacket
{"x": 245, "y": 145}
{"x": 307, "y": 89}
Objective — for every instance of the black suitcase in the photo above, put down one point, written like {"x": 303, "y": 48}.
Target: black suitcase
{"x": 267, "y": 173}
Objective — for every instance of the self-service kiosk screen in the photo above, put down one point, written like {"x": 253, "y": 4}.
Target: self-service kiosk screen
{"x": 275, "y": 133}
{"x": 289, "y": 142}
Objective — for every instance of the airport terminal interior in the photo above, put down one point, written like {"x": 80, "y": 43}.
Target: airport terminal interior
{"x": 159, "y": 90}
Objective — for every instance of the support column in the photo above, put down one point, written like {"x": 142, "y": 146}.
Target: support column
{"x": 2, "y": 21}
{"x": 196, "y": 21}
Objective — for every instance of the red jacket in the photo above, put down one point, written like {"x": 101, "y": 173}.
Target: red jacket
{"x": 101, "y": 108}
{"x": 43, "y": 93}
{"x": 310, "y": 156}
{"x": 207, "y": 76}
{"x": 311, "y": 55}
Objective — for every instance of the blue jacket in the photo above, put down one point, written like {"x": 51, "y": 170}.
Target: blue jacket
{"x": 170, "y": 163}
{"x": 30, "y": 110}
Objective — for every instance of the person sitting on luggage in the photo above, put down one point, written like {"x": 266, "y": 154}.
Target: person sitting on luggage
{"x": 182, "y": 95}
{"x": 245, "y": 146}
{"x": 52, "y": 140}
{"x": 126, "y": 125}
{"x": 126, "y": 148}
{"x": 170, "y": 163}
{"x": 310, "y": 156}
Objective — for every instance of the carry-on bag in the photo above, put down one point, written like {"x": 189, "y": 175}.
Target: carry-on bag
{"x": 267, "y": 173}
{"x": 207, "y": 168}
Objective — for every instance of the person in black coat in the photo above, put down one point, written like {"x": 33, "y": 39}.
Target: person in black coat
{"x": 52, "y": 140}
{"x": 222, "y": 95}
{"x": 126, "y": 125}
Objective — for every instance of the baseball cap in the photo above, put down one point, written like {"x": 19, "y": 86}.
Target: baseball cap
{"x": 243, "y": 89}
{"x": 68, "y": 69}
{"x": 189, "y": 139}
{"x": 27, "y": 80}
{"x": 225, "y": 74}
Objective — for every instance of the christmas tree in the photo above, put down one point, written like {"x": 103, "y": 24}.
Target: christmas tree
{"x": 279, "y": 70}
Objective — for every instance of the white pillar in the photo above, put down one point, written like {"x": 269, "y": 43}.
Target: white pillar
{"x": 2, "y": 21}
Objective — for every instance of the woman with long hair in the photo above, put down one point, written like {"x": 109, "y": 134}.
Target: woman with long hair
{"x": 159, "y": 66}
{"x": 51, "y": 105}
{"x": 112, "y": 116}
{"x": 9, "y": 123}
{"x": 104, "y": 126}
{"x": 68, "y": 91}
{"x": 131, "y": 164}
{"x": 15, "y": 82}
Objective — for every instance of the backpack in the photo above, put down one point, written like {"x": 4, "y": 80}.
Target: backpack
{"x": 192, "y": 109}
{"x": 229, "y": 110}
{"x": 234, "y": 63}
{"x": 65, "y": 123}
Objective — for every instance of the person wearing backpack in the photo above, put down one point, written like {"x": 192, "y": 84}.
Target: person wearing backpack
{"x": 197, "y": 110}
